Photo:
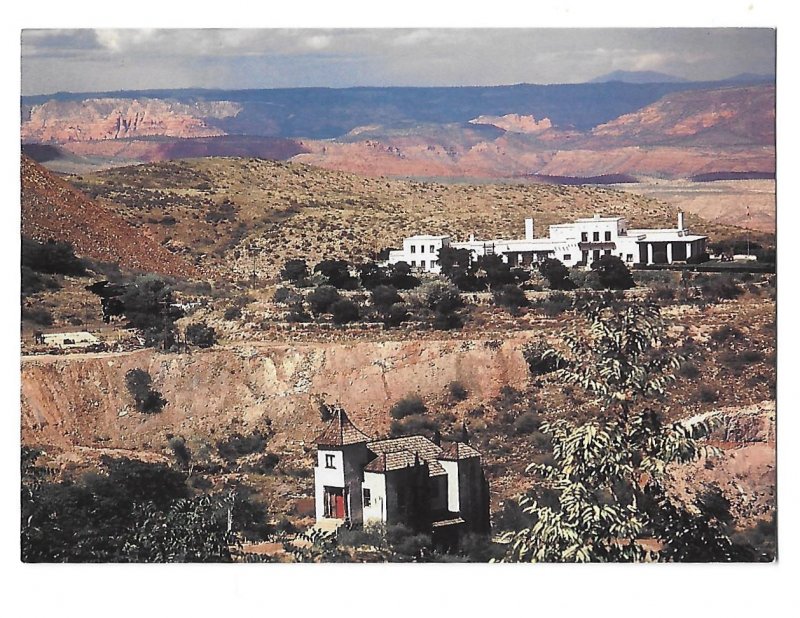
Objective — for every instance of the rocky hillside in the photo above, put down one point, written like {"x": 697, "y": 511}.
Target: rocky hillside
{"x": 215, "y": 210}
{"x": 53, "y": 208}
{"x": 78, "y": 405}
{"x": 725, "y": 117}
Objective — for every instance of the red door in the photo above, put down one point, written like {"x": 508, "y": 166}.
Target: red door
{"x": 334, "y": 502}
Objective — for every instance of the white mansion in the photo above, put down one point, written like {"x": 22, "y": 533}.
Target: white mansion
{"x": 581, "y": 242}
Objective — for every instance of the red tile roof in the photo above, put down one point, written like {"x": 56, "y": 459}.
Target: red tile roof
{"x": 396, "y": 452}
{"x": 341, "y": 431}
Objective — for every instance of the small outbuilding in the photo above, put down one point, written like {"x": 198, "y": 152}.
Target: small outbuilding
{"x": 435, "y": 488}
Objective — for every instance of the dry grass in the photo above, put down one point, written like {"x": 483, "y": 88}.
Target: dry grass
{"x": 292, "y": 210}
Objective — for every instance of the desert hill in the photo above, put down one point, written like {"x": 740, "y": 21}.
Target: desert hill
{"x": 232, "y": 215}
{"x": 53, "y": 208}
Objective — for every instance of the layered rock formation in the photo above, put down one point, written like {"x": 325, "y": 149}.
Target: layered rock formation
{"x": 103, "y": 119}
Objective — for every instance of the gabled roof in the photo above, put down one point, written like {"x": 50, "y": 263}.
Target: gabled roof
{"x": 397, "y": 453}
{"x": 398, "y": 460}
{"x": 415, "y": 444}
{"x": 341, "y": 431}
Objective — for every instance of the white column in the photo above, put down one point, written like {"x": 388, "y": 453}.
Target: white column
{"x": 688, "y": 250}
{"x": 669, "y": 253}
{"x": 649, "y": 253}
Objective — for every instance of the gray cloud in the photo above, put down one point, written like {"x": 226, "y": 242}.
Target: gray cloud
{"x": 92, "y": 60}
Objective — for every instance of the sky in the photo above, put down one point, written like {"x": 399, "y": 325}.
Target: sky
{"x": 90, "y": 60}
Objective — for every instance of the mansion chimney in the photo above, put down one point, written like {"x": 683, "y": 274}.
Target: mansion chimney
{"x": 680, "y": 221}
{"x": 529, "y": 229}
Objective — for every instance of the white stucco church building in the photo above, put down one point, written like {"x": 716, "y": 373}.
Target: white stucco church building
{"x": 434, "y": 488}
{"x": 578, "y": 243}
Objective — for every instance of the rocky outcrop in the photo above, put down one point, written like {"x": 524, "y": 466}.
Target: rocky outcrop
{"x": 516, "y": 123}
{"x": 106, "y": 119}
{"x": 754, "y": 423}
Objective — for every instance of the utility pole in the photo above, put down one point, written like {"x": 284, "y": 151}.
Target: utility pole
{"x": 253, "y": 252}
{"x": 748, "y": 230}
{"x": 165, "y": 309}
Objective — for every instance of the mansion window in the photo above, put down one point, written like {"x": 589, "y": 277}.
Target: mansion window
{"x": 367, "y": 497}
{"x": 413, "y": 249}
{"x": 432, "y": 249}
{"x": 422, "y": 248}
{"x": 584, "y": 236}
{"x": 608, "y": 235}
{"x": 595, "y": 236}
{"x": 329, "y": 461}
{"x": 567, "y": 257}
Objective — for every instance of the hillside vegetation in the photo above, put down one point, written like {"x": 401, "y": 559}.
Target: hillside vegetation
{"x": 214, "y": 210}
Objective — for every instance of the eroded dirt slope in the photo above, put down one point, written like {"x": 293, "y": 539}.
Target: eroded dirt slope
{"x": 83, "y": 401}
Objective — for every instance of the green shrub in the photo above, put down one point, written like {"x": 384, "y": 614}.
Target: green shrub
{"x": 527, "y": 423}
{"x": 286, "y": 296}
{"x": 396, "y": 315}
{"x": 298, "y": 314}
{"x": 51, "y": 257}
{"x": 322, "y": 299}
{"x": 689, "y": 371}
{"x": 457, "y": 391}
{"x": 612, "y": 273}
{"x": 555, "y": 304}
{"x": 237, "y": 445}
{"x": 233, "y": 313}
{"x": 147, "y": 399}
{"x": 510, "y": 296}
{"x": 294, "y": 270}
{"x": 414, "y": 424}
{"x": 408, "y": 405}
{"x": 737, "y": 361}
{"x": 556, "y": 273}
{"x": 201, "y": 335}
{"x": 37, "y": 315}
{"x": 726, "y": 332}
{"x": 182, "y": 453}
{"x": 262, "y": 465}
{"x": 344, "y": 311}
{"x": 32, "y": 282}
{"x": 384, "y": 296}
{"x": 706, "y": 394}
{"x": 720, "y": 287}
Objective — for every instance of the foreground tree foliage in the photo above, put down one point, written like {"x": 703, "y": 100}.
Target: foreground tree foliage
{"x": 128, "y": 511}
{"x": 603, "y": 497}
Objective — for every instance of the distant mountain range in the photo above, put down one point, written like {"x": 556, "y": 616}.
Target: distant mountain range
{"x": 663, "y": 128}
{"x": 654, "y": 77}
{"x": 638, "y": 77}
